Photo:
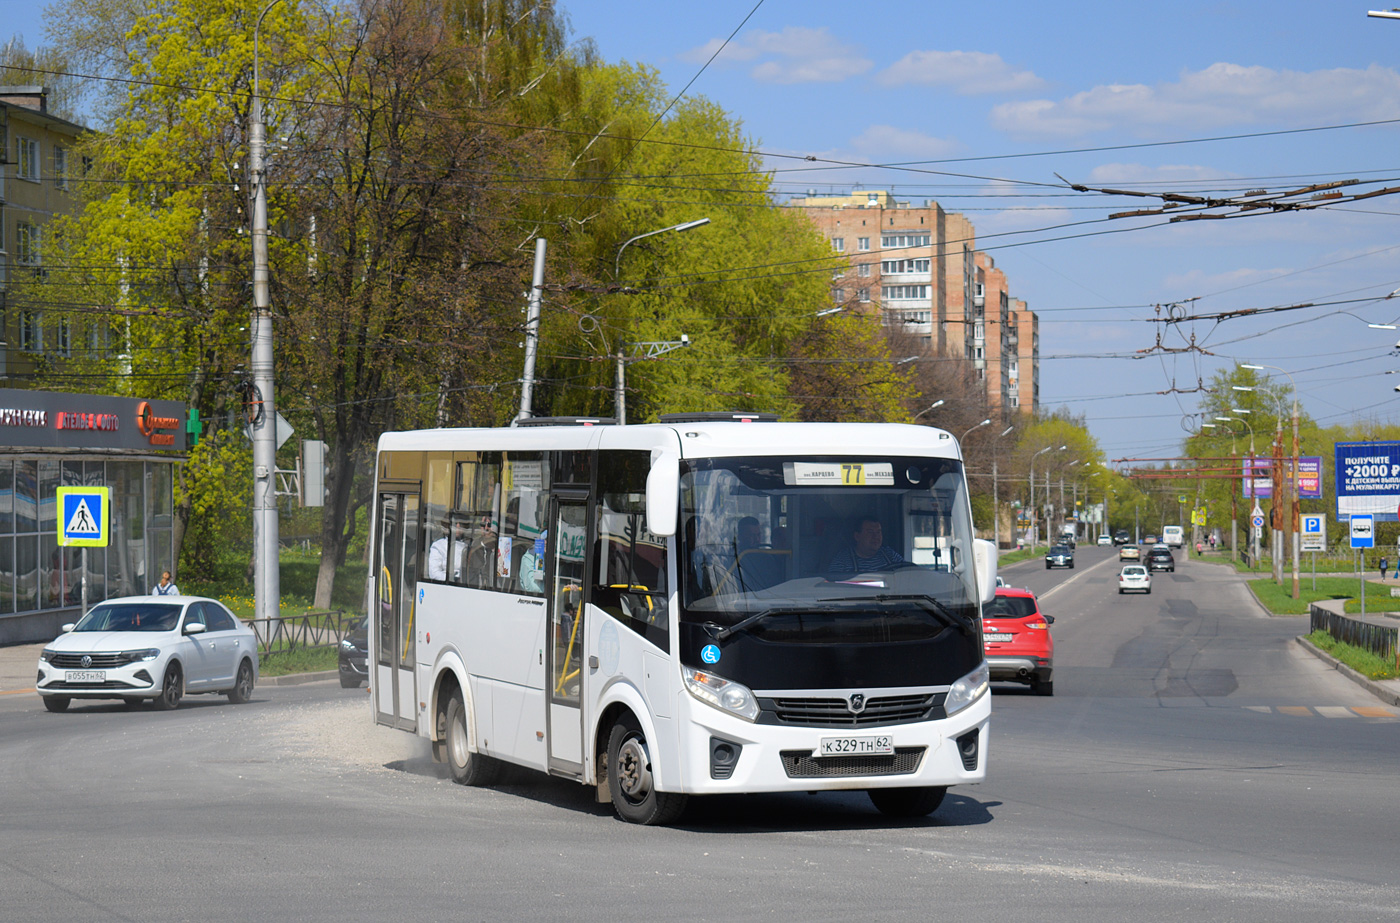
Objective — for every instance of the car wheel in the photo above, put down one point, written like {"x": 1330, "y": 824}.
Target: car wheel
{"x": 1120, "y": 591}
{"x": 907, "y": 802}
{"x": 132, "y": 701}
{"x": 1045, "y": 687}
{"x": 1047, "y": 567}
{"x": 349, "y": 681}
{"x": 467, "y": 767}
{"x": 56, "y": 702}
{"x": 171, "y": 688}
{"x": 631, "y": 782}
{"x": 242, "y": 689}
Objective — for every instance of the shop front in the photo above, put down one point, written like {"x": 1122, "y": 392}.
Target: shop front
{"x": 50, "y": 440}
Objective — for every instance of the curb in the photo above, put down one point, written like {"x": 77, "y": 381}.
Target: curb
{"x": 1389, "y": 696}
{"x": 296, "y": 679}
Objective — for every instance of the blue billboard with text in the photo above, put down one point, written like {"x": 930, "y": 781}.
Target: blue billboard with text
{"x": 1368, "y": 480}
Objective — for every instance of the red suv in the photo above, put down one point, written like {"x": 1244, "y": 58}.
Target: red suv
{"x": 1016, "y": 635}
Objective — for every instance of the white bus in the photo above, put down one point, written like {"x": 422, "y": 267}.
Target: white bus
{"x": 1172, "y": 535}
{"x": 692, "y": 607}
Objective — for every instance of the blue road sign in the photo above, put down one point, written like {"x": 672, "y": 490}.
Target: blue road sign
{"x": 1363, "y": 532}
{"x": 83, "y": 516}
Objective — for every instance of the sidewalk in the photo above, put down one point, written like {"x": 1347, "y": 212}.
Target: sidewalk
{"x": 19, "y": 664}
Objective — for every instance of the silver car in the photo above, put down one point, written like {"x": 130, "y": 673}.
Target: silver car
{"x": 155, "y": 648}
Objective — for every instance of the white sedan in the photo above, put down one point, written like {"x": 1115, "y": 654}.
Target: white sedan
{"x": 1135, "y": 577}
{"x": 150, "y": 647}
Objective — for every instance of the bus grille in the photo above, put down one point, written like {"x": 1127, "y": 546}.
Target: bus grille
{"x": 801, "y": 764}
{"x": 894, "y": 709}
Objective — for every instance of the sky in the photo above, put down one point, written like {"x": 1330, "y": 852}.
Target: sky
{"x": 986, "y": 107}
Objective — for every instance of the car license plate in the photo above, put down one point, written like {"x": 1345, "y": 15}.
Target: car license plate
{"x": 998, "y": 636}
{"x": 86, "y": 676}
{"x": 855, "y": 746}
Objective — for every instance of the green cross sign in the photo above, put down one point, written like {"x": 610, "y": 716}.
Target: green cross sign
{"x": 83, "y": 516}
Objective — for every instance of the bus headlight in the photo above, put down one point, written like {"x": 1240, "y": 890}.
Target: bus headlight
{"x": 723, "y": 694}
{"x": 967, "y": 690}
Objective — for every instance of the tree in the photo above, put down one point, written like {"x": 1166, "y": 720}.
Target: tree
{"x": 46, "y": 67}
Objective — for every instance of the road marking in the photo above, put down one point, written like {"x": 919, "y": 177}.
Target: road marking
{"x": 1334, "y": 711}
{"x": 1084, "y": 573}
{"x": 1295, "y": 710}
{"x": 1374, "y": 711}
{"x": 1327, "y": 711}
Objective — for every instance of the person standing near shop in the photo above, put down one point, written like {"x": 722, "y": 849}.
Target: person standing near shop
{"x": 166, "y": 587}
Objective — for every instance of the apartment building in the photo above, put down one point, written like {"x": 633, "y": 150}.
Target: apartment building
{"x": 37, "y": 165}
{"x": 918, "y": 266}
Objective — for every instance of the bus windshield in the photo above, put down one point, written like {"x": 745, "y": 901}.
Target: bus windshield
{"x": 825, "y": 535}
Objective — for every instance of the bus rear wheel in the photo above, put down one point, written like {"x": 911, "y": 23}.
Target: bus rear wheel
{"x": 630, "y": 779}
{"x": 467, "y": 766}
{"x": 907, "y": 802}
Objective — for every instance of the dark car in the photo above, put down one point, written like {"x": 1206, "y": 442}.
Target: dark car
{"x": 1122, "y": 537}
{"x": 1060, "y": 556}
{"x": 1160, "y": 559}
{"x": 354, "y": 653}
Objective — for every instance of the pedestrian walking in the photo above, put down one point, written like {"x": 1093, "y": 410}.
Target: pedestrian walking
{"x": 1385, "y": 564}
{"x": 1198, "y": 549}
{"x": 1212, "y": 541}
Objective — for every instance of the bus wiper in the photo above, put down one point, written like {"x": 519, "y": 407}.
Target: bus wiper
{"x": 927, "y": 603}
{"x": 745, "y": 623}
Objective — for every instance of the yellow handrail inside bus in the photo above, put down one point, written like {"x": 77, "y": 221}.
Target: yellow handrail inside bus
{"x": 564, "y": 675}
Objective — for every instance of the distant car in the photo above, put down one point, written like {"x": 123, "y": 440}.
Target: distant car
{"x": 1105, "y": 539}
{"x": 1122, "y": 537}
{"x": 1129, "y": 553}
{"x": 1060, "y": 556}
{"x": 150, "y": 648}
{"x": 1150, "y": 538}
{"x": 354, "y": 654}
{"x": 1134, "y": 577}
{"x": 1017, "y": 642}
{"x": 1160, "y": 558}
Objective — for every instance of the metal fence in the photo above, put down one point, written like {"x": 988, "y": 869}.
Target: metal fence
{"x": 1378, "y": 639}
{"x": 316, "y": 628}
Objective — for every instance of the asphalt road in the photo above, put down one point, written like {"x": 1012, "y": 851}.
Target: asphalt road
{"x": 1192, "y": 764}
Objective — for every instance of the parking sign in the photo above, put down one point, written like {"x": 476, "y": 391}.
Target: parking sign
{"x": 1314, "y": 536}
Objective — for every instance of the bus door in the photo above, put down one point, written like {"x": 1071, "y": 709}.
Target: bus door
{"x": 396, "y": 569}
{"x": 568, "y": 544}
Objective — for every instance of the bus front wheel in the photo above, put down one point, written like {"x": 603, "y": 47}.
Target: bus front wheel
{"x": 467, "y": 766}
{"x": 907, "y": 802}
{"x": 630, "y": 779}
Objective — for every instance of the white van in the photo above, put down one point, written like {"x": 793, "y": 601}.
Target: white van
{"x": 1171, "y": 535}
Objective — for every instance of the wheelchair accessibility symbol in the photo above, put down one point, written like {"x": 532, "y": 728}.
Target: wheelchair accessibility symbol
{"x": 710, "y": 653}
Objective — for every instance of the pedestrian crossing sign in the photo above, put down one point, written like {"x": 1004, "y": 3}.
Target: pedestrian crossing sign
{"x": 83, "y": 516}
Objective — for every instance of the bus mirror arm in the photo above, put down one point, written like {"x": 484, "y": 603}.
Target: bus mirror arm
{"x": 663, "y": 486}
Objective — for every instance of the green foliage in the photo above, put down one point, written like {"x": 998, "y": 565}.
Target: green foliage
{"x": 218, "y": 492}
{"x": 1365, "y": 662}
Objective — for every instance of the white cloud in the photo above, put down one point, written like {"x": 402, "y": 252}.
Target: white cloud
{"x": 1221, "y": 95}
{"x": 1122, "y": 173}
{"x": 966, "y": 72}
{"x": 797, "y": 54}
{"x": 884, "y": 143}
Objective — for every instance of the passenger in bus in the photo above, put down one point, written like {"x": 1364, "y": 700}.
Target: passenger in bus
{"x": 866, "y": 552}
{"x": 438, "y": 552}
{"x": 480, "y": 568}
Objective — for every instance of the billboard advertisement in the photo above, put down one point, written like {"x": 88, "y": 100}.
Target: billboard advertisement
{"x": 1258, "y": 476}
{"x": 1368, "y": 480}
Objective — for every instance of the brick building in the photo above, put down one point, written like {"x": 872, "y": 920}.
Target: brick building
{"x": 920, "y": 269}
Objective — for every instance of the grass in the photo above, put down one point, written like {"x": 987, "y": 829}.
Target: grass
{"x": 1278, "y": 599}
{"x": 1362, "y": 661}
{"x": 300, "y": 660}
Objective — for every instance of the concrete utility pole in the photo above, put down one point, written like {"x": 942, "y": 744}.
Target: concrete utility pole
{"x": 262, "y": 410}
{"x": 532, "y": 335}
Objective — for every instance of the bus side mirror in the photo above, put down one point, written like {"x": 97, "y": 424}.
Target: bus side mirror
{"x": 984, "y": 556}
{"x": 663, "y": 492}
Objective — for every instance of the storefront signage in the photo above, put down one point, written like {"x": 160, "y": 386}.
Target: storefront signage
{"x": 1257, "y": 480}
{"x": 52, "y": 419}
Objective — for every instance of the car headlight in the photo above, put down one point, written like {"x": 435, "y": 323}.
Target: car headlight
{"x": 149, "y": 654}
{"x": 45, "y": 655}
{"x": 967, "y": 690}
{"x": 724, "y": 694}
{"x": 346, "y": 644}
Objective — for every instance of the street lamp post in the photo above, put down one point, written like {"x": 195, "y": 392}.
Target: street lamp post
{"x": 620, "y": 388}
{"x": 262, "y": 410}
{"x": 1035, "y": 514}
{"x": 996, "y": 509}
{"x": 1293, "y": 506}
{"x": 1234, "y": 494}
{"x": 934, "y": 406}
